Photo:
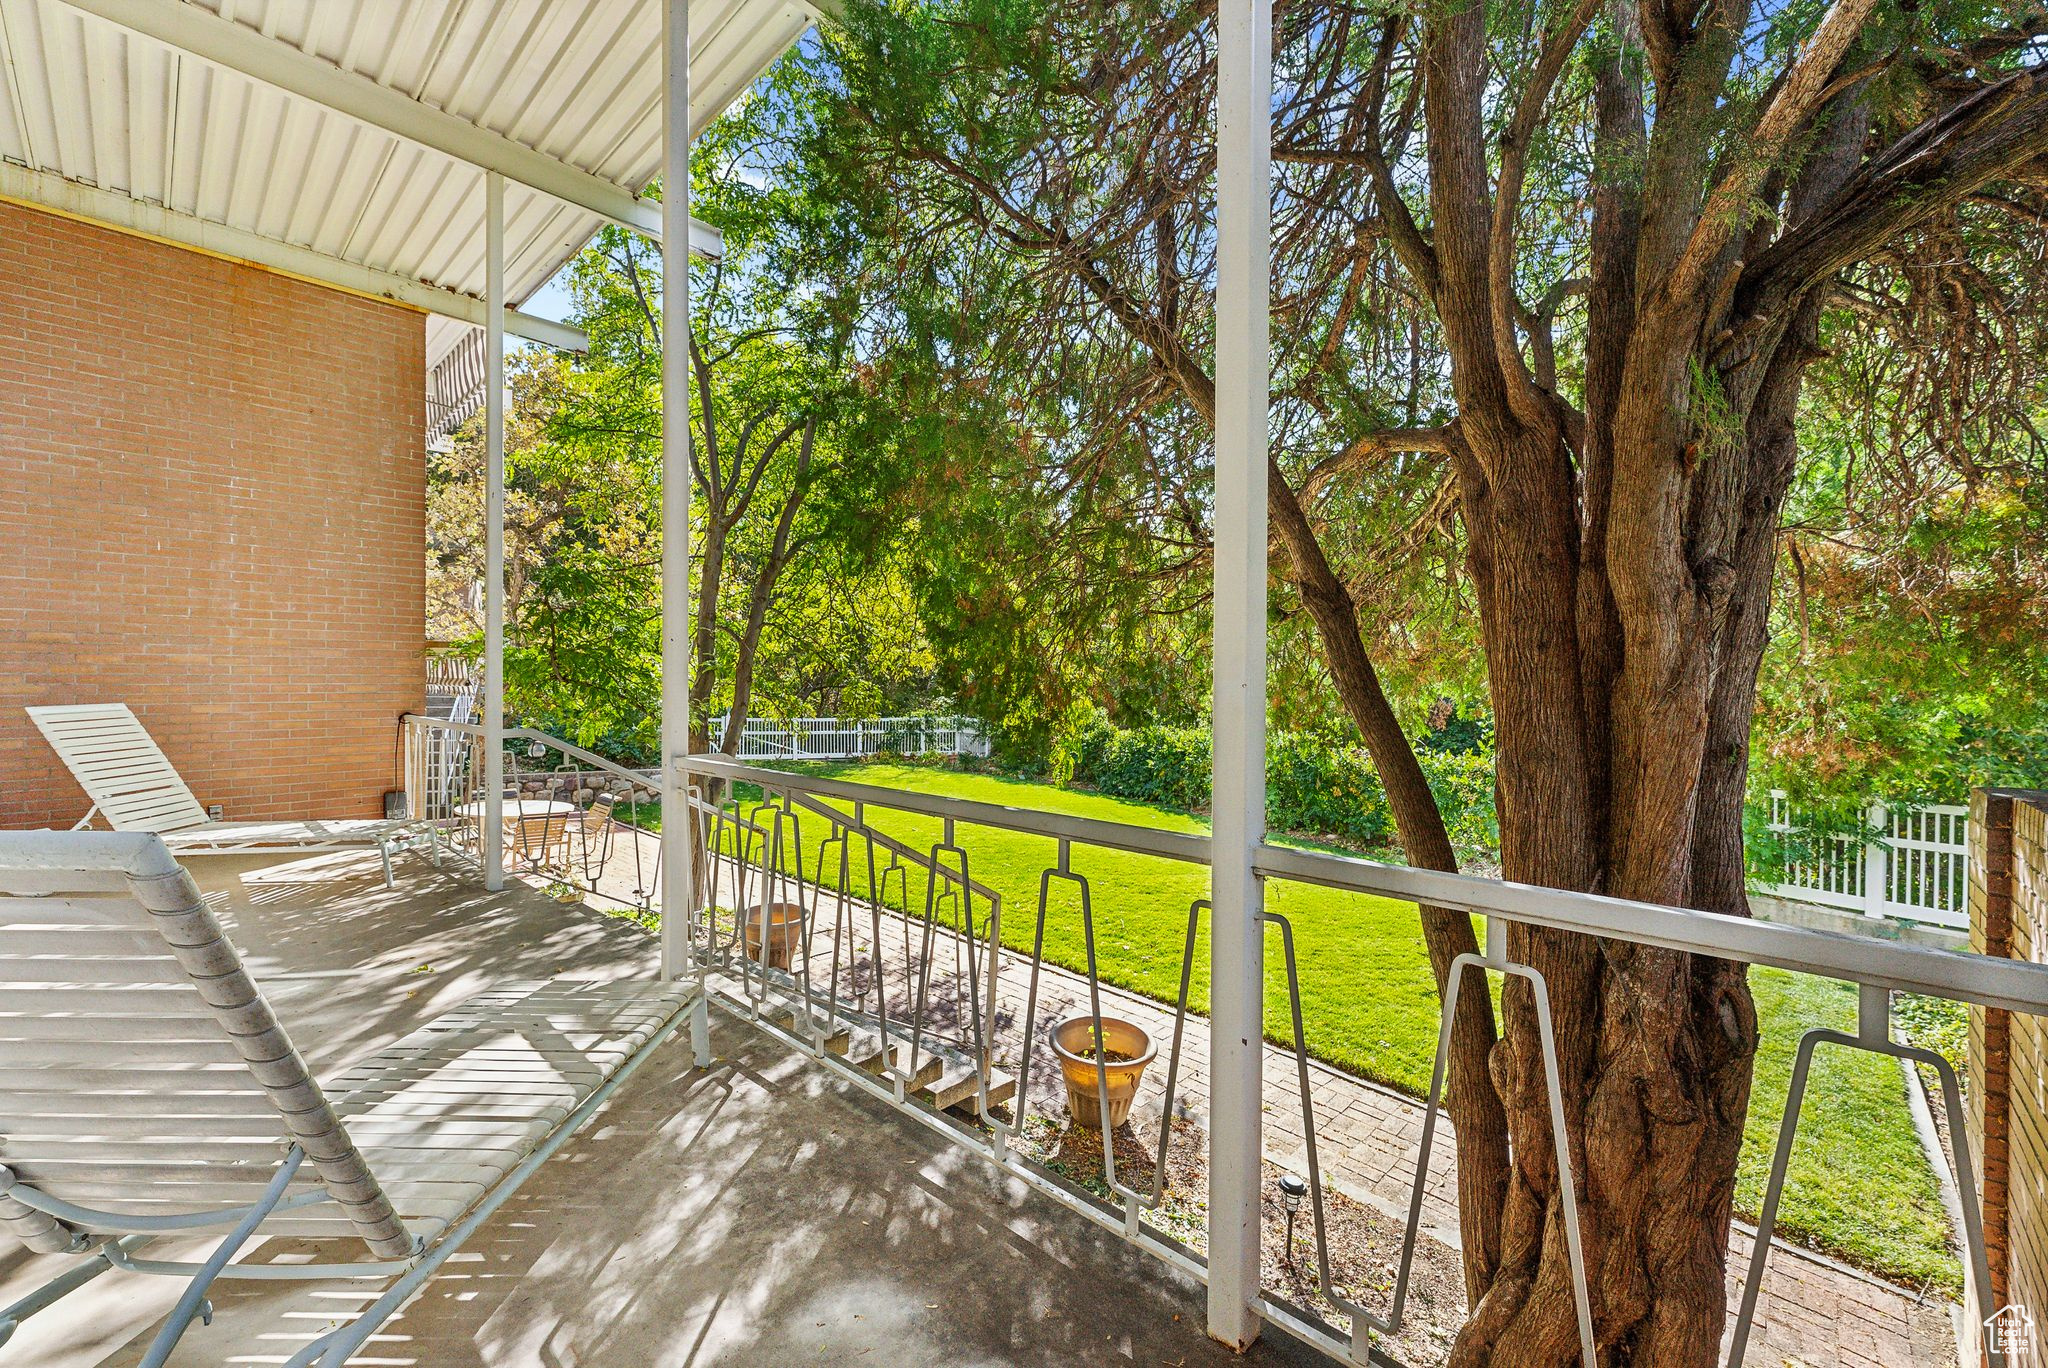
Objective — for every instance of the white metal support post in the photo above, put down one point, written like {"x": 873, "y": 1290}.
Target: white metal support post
{"x": 678, "y": 846}
{"x": 493, "y": 842}
{"x": 1237, "y": 972}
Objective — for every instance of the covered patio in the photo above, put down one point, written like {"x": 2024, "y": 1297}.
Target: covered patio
{"x": 754, "y": 1212}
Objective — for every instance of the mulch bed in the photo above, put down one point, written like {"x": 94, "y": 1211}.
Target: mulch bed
{"x": 1364, "y": 1244}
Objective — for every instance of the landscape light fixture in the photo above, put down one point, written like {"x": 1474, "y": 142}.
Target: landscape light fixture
{"x": 1292, "y": 1190}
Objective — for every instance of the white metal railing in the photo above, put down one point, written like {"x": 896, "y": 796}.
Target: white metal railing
{"x": 852, "y": 738}
{"x": 1910, "y": 861}
{"x": 451, "y": 673}
{"x": 565, "y": 836}
{"x": 444, "y": 775}
{"x": 597, "y": 847}
{"x": 767, "y": 845}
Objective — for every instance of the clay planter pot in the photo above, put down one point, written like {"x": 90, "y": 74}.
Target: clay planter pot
{"x": 781, "y": 926}
{"x": 1073, "y": 1040}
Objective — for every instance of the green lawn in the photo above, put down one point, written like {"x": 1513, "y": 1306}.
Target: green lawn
{"x": 1859, "y": 1185}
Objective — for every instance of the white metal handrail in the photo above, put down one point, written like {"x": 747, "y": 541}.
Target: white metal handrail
{"x": 743, "y": 844}
{"x": 1171, "y": 845}
{"x": 444, "y": 785}
{"x": 443, "y": 779}
{"x": 1876, "y": 966}
{"x": 763, "y": 861}
{"x": 1964, "y": 977}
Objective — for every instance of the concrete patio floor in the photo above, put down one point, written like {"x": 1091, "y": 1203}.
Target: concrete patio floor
{"x": 760, "y": 1212}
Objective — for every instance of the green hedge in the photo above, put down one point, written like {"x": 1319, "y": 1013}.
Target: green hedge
{"x": 1313, "y": 786}
{"x": 1165, "y": 766}
{"x": 1320, "y": 789}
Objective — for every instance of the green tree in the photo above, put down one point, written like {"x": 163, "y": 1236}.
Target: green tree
{"x": 582, "y": 557}
{"x": 792, "y": 450}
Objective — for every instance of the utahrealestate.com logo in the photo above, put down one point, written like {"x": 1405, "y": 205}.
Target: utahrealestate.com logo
{"x": 2011, "y": 1331}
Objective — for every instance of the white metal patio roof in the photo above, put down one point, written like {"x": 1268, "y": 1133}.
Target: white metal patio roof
{"x": 108, "y": 114}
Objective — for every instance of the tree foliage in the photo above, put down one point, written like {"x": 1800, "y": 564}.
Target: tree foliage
{"x": 798, "y": 593}
{"x": 1907, "y": 658}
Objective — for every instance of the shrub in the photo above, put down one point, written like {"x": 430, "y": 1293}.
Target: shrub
{"x": 636, "y": 745}
{"x": 1164, "y": 766}
{"x": 1463, "y": 785}
{"x": 1313, "y": 786}
{"x": 1321, "y": 789}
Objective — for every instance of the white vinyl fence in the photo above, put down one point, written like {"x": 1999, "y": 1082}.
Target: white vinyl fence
{"x": 851, "y": 738}
{"x": 1912, "y": 862}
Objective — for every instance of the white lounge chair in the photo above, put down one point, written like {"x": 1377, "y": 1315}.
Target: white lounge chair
{"x": 148, "y": 1090}
{"x": 134, "y": 785}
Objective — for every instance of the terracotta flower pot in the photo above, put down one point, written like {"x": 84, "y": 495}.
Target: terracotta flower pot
{"x": 1129, "y": 1050}
{"x": 781, "y": 926}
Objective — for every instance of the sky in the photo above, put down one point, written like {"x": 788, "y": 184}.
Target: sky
{"x": 550, "y": 301}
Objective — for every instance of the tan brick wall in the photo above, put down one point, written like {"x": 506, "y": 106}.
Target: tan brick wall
{"x": 2009, "y": 1050}
{"x": 1990, "y": 1031}
{"x": 2027, "y": 1180}
{"x": 212, "y": 504}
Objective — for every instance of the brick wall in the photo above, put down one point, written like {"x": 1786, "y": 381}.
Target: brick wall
{"x": 212, "y": 507}
{"x": 2009, "y": 1051}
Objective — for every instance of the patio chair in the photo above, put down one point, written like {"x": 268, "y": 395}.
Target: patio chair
{"x": 147, "y": 1090}
{"x": 594, "y": 835}
{"x": 133, "y": 783}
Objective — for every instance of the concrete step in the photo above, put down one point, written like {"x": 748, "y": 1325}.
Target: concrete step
{"x": 945, "y": 1080}
{"x": 864, "y": 1051}
{"x": 789, "y": 1019}
{"x": 958, "y": 1086}
{"x": 1001, "y": 1088}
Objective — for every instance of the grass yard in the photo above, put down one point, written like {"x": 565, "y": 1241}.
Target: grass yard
{"x": 1859, "y": 1186}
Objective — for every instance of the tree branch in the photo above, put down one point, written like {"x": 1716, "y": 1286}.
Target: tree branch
{"x": 1373, "y": 446}
{"x": 1507, "y": 200}
{"x": 1805, "y": 86}
{"x": 1415, "y": 251}
{"x": 1989, "y": 136}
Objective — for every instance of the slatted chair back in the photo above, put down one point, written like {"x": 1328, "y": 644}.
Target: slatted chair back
{"x": 141, "y": 1071}
{"x": 597, "y": 818}
{"x": 120, "y": 766}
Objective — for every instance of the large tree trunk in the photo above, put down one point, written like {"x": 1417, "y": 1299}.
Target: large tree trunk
{"x": 1633, "y": 789}
{"x": 1622, "y": 560}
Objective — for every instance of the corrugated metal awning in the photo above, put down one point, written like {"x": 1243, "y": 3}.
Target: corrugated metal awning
{"x": 90, "y": 101}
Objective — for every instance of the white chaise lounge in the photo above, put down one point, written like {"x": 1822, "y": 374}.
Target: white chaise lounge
{"x": 133, "y": 784}
{"x": 148, "y": 1090}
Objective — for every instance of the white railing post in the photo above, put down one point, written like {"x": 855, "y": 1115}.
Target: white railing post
{"x": 492, "y": 840}
{"x": 678, "y": 849}
{"x": 1238, "y": 793}
{"x": 409, "y": 737}
{"x": 1876, "y": 860}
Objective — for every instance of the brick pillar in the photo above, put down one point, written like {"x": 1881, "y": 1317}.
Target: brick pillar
{"x": 1990, "y": 1027}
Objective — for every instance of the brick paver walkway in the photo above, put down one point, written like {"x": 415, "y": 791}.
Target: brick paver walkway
{"x": 1814, "y": 1313}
